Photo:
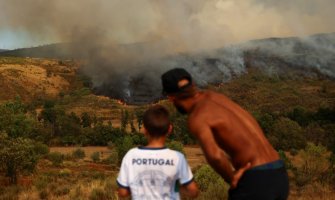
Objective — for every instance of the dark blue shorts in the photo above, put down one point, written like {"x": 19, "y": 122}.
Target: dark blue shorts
{"x": 264, "y": 182}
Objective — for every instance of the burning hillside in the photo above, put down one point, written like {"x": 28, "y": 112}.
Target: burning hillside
{"x": 312, "y": 56}
{"x": 130, "y": 73}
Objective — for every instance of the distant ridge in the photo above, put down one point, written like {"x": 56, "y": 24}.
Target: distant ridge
{"x": 59, "y": 50}
{"x": 70, "y": 50}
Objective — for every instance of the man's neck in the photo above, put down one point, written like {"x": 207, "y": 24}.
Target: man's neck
{"x": 191, "y": 102}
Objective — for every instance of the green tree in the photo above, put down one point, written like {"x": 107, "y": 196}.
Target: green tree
{"x": 86, "y": 120}
{"x": 180, "y": 130}
{"x": 300, "y": 115}
{"x": 15, "y": 121}
{"x": 139, "y": 112}
{"x": 52, "y": 115}
{"x": 124, "y": 119}
{"x": 266, "y": 121}
{"x": 131, "y": 123}
{"x": 123, "y": 146}
{"x": 17, "y": 155}
{"x": 326, "y": 115}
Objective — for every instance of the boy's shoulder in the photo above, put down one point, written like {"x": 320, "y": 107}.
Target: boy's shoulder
{"x": 132, "y": 150}
{"x": 139, "y": 150}
{"x": 177, "y": 152}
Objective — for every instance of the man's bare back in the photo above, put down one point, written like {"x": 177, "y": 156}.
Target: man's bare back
{"x": 234, "y": 130}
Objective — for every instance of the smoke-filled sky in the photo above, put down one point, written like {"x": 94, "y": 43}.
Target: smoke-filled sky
{"x": 180, "y": 25}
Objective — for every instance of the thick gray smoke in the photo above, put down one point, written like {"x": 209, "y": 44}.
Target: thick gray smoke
{"x": 127, "y": 44}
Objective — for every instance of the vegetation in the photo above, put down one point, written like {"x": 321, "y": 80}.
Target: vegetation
{"x": 17, "y": 155}
{"x": 297, "y": 114}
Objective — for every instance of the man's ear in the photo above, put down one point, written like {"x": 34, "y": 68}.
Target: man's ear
{"x": 170, "y": 129}
{"x": 145, "y": 132}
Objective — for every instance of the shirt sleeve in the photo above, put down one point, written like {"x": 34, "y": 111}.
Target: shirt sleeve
{"x": 123, "y": 177}
{"x": 185, "y": 173}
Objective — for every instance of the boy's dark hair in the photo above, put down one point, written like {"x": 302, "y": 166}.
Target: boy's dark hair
{"x": 156, "y": 121}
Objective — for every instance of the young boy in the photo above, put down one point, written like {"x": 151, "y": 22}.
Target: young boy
{"x": 154, "y": 171}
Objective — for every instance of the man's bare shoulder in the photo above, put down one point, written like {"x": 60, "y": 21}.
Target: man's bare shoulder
{"x": 201, "y": 112}
{"x": 209, "y": 111}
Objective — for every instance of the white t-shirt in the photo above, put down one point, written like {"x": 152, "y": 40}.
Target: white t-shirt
{"x": 152, "y": 173}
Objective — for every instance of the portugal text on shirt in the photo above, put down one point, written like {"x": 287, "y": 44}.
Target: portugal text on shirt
{"x": 151, "y": 161}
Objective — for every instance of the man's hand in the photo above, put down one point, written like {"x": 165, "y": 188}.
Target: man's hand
{"x": 238, "y": 174}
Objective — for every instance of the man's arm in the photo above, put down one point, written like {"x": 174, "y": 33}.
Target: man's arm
{"x": 215, "y": 156}
{"x": 191, "y": 189}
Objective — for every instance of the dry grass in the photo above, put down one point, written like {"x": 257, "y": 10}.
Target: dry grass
{"x": 104, "y": 151}
{"x": 86, "y": 179}
{"x": 313, "y": 191}
{"x": 32, "y": 78}
{"x": 194, "y": 155}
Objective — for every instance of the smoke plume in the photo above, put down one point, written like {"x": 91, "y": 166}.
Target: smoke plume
{"x": 128, "y": 43}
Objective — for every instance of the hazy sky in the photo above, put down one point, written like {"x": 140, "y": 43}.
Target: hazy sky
{"x": 187, "y": 24}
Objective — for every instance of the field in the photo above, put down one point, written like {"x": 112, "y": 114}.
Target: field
{"x": 194, "y": 155}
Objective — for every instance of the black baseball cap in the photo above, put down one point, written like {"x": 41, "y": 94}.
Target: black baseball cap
{"x": 171, "y": 78}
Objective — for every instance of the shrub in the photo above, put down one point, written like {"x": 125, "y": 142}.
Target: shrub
{"x": 41, "y": 182}
{"x": 56, "y": 158}
{"x": 68, "y": 156}
{"x": 205, "y": 176}
{"x": 62, "y": 190}
{"x": 139, "y": 139}
{"x": 65, "y": 172}
{"x": 110, "y": 187}
{"x": 287, "y": 161}
{"x": 41, "y": 149}
{"x": 98, "y": 175}
{"x": 97, "y": 194}
{"x": 78, "y": 153}
{"x": 315, "y": 167}
{"x": 112, "y": 159}
{"x": 214, "y": 191}
{"x": 287, "y": 134}
{"x": 95, "y": 157}
{"x": 123, "y": 146}
{"x": 176, "y": 145}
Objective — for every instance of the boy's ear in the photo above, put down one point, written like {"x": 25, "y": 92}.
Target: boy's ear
{"x": 170, "y": 129}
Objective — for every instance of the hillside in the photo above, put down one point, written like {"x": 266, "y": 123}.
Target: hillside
{"x": 33, "y": 79}
{"x": 295, "y": 110}
{"x": 137, "y": 79}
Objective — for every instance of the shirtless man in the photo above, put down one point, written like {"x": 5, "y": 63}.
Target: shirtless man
{"x": 231, "y": 139}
